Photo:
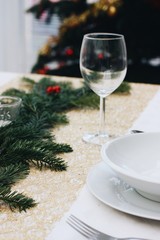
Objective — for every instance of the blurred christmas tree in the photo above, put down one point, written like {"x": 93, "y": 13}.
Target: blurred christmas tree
{"x": 138, "y": 21}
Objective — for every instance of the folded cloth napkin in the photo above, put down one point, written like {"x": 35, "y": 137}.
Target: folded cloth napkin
{"x": 105, "y": 218}
{"x": 149, "y": 119}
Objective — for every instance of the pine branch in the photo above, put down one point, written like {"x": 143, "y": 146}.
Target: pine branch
{"x": 54, "y": 163}
{"x": 28, "y": 131}
{"x": 29, "y": 81}
{"x": 123, "y": 88}
{"x": 28, "y": 140}
{"x": 89, "y": 101}
{"x": 13, "y": 173}
{"x": 14, "y": 92}
{"x": 15, "y": 200}
{"x": 42, "y": 153}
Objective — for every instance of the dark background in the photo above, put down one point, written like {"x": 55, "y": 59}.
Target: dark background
{"x": 137, "y": 20}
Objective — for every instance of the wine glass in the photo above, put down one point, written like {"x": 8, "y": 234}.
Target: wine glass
{"x": 103, "y": 65}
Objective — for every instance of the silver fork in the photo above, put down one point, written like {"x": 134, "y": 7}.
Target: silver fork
{"x": 91, "y": 233}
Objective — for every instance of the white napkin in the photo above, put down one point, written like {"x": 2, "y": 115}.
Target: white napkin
{"x": 105, "y": 218}
{"x": 149, "y": 120}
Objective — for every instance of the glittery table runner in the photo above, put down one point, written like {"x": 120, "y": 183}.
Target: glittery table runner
{"x": 55, "y": 192}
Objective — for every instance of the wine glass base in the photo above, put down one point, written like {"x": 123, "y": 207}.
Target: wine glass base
{"x": 98, "y": 139}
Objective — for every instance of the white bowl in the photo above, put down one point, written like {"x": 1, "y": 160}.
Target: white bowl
{"x": 136, "y": 159}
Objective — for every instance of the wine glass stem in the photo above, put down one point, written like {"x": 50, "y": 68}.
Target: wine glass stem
{"x": 102, "y": 116}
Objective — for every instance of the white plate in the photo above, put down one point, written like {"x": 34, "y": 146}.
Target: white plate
{"x": 109, "y": 189}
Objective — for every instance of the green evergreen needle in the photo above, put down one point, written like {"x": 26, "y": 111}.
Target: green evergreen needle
{"x": 28, "y": 140}
{"x": 15, "y": 200}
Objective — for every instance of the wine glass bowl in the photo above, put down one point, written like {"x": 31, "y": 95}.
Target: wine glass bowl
{"x": 103, "y": 65}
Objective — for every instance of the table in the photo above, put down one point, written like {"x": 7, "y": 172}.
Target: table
{"x": 56, "y": 191}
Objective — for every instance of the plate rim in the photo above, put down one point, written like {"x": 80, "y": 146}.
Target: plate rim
{"x": 150, "y": 215}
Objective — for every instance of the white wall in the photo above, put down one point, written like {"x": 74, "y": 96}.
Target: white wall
{"x": 21, "y": 36}
{"x": 12, "y": 36}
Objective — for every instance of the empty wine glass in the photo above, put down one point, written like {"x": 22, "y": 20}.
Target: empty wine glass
{"x": 103, "y": 65}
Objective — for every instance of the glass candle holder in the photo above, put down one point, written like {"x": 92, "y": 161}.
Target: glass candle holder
{"x": 9, "y": 109}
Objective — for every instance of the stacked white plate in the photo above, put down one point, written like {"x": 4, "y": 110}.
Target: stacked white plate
{"x": 128, "y": 179}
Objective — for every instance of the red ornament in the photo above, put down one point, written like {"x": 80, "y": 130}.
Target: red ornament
{"x": 61, "y": 64}
{"x": 43, "y": 70}
{"x": 100, "y": 56}
{"x": 46, "y": 68}
{"x": 53, "y": 89}
{"x": 69, "y": 51}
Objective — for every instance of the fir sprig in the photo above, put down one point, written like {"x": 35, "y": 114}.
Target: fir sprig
{"x": 37, "y": 151}
{"x": 15, "y": 200}
{"x": 13, "y": 173}
{"x": 28, "y": 140}
{"x": 8, "y": 176}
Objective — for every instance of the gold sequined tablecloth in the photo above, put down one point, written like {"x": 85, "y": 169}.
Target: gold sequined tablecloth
{"x": 55, "y": 192}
